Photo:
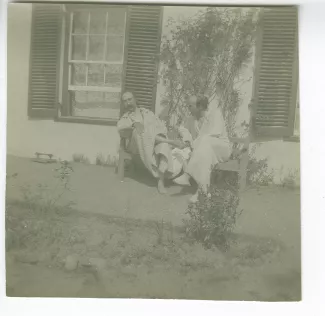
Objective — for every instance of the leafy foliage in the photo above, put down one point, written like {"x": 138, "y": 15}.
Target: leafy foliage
{"x": 80, "y": 158}
{"x": 213, "y": 217}
{"x": 258, "y": 171}
{"x": 206, "y": 54}
{"x": 291, "y": 180}
{"x": 109, "y": 161}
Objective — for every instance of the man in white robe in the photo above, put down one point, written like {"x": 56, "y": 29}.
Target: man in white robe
{"x": 147, "y": 137}
{"x": 206, "y": 132}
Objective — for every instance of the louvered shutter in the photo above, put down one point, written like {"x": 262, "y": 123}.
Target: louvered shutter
{"x": 143, "y": 46}
{"x": 276, "y": 73}
{"x": 44, "y": 60}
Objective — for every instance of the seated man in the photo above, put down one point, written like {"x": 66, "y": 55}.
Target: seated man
{"x": 205, "y": 131}
{"x": 147, "y": 136}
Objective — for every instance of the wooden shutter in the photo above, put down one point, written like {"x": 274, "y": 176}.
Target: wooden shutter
{"x": 276, "y": 73}
{"x": 142, "y": 49}
{"x": 44, "y": 60}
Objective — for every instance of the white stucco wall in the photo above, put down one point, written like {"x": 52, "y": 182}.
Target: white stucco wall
{"x": 25, "y": 136}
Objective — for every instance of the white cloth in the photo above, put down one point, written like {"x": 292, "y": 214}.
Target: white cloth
{"x": 209, "y": 142}
{"x": 143, "y": 141}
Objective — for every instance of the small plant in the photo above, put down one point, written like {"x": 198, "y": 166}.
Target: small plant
{"x": 170, "y": 236}
{"x": 291, "y": 180}
{"x": 213, "y": 218}
{"x": 159, "y": 230}
{"x": 100, "y": 160}
{"x": 80, "y": 158}
{"x": 111, "y": 161}
{"x": 48, "y": 198}
{"x": 164, "y": 233}
{"x": 63, "y": 173}
{"x": 258, "y": 171}
{"x": 107, "y": 162}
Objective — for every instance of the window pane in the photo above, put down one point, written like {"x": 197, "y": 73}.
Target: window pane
{"x": 96, "y": 75}
{"x": 79, "y": 46}
{"x": 78, "y": 74}
{"x": 80, "y": 22}
{"x": 116, "y": 22}
{"x": 114, "y": 48}
{"x": 113, "y": 75}
{"x": 97, "y": 23}
{"x": 96, "y": 47}
{"x": 97, "y": 36}
{"x": 95, "y": 104}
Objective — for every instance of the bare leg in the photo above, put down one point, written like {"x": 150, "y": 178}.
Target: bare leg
{"x": 194, "y": 197}
{"x": 184, "y": 179}
{"x": 163, "y": 165}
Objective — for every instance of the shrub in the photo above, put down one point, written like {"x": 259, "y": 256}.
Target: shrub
{"x": 258, "y": 172}
{"x": 291, "y": 180}
{"x": 110, "y": 161}
{"x": 81, "y": 158}
{"x": 213, "y": 218}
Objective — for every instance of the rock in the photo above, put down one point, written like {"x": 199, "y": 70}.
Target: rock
{"x": 30, "y": 258}
{"x": 71, "y": 262}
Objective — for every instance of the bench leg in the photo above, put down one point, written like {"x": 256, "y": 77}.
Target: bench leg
{"x": 120, "y": 168}
{"x": 242, "y": 181}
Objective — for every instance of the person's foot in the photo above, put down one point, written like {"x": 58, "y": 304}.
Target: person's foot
{"x": 161, "y": 187}
{"x": 194, "y": 198}
{"x": 183, "y": 180}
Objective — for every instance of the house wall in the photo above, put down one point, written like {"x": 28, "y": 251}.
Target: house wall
{"x": 25, "y": 136}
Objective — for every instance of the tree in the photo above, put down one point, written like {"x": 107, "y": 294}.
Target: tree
{"x": 206, "y": 54}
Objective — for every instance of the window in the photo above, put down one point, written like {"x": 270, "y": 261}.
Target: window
{"x": 84, "y": 56}
{"x": 95, "y": 58}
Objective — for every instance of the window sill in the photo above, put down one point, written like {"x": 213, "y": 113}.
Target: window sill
{"x": 87, "y": 120}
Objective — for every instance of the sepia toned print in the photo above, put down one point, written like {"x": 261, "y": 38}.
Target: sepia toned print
{"x": 153, "y": 152}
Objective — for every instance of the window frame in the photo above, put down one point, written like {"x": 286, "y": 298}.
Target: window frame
{"x": 64, "y": 99}
{"x": 295, "y": 138}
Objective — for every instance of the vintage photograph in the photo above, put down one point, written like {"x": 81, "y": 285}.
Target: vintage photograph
{"x": 153, "y": 152}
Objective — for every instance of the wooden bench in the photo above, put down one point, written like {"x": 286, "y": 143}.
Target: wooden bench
{"x": 238, "y": 162}
{"x": 44, "y": 158}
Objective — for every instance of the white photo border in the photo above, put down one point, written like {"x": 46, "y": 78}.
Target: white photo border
{"x": 312, "y": 86}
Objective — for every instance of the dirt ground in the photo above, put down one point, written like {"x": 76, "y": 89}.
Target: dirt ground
{"x": 125, "y": 240}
